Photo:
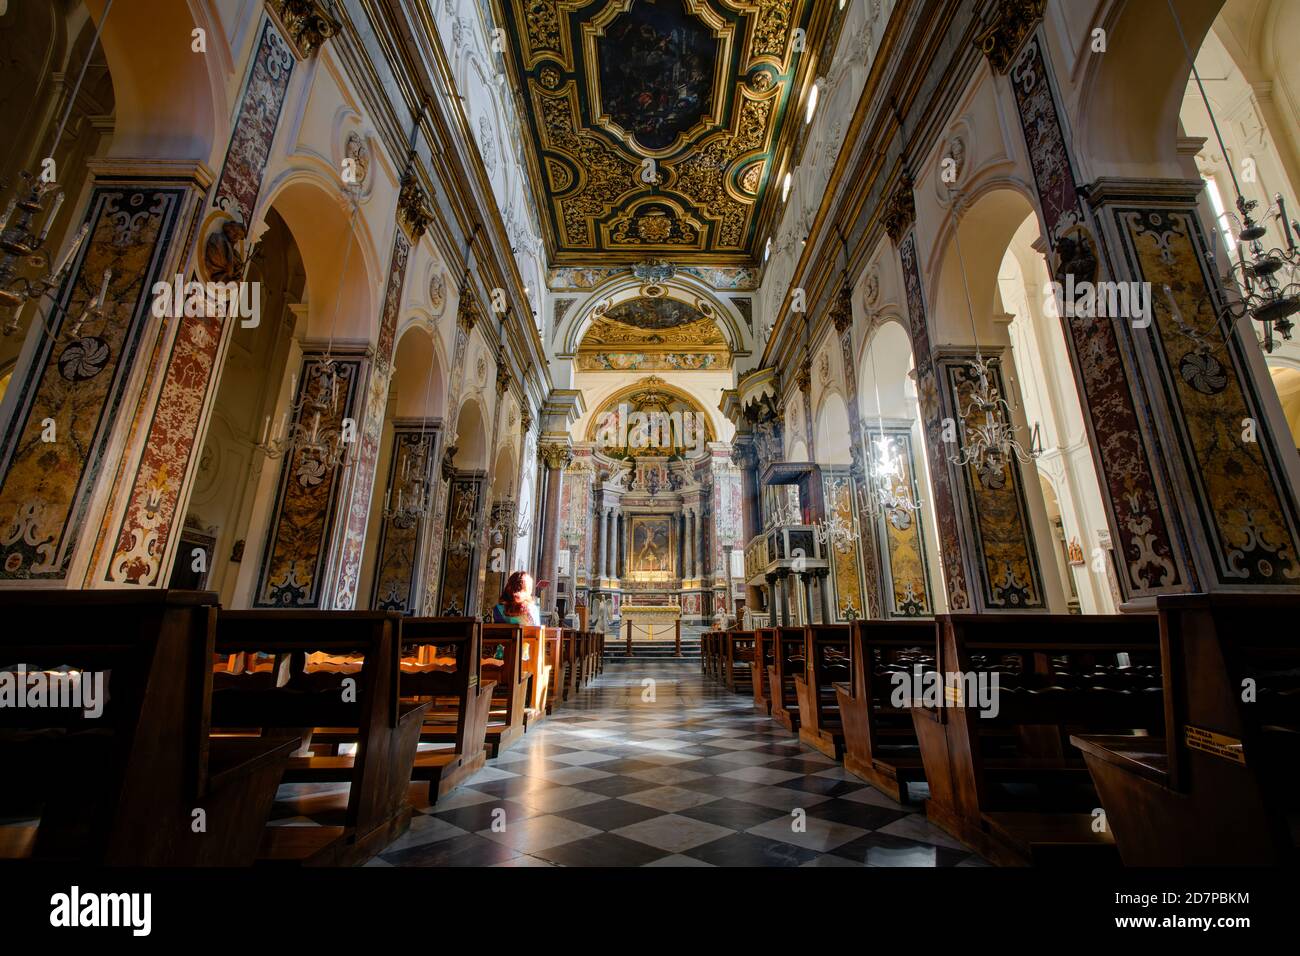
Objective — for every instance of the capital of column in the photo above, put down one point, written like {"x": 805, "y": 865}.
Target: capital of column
{"x": 308, "y": 24}
{"x": 900, "y": 212}
{"x": 1009, "y": 25}
{"x": 556, "y": 455}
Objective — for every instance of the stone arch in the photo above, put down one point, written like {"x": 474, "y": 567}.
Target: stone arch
{"x": 1131, "y": 97}
{"x": 470, "y": 437}
{"x": 183, "y": 118}
{"x": 623, "y": 287}
{"x": 989, "y": 217}
{"x": 834, "y": 435}
{"x": 339, "y": 300}
{"x": 418, "y": 374}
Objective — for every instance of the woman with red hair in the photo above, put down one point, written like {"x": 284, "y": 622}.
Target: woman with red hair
{"x": 518, "y": 605}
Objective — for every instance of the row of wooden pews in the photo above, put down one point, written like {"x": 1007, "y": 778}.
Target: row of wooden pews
{"x": 728, "y": 657}
{"x": 206, "y": 712}
{"x": 1042, "y": 739}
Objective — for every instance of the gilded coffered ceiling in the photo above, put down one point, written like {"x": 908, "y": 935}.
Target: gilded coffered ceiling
{"x": 658, "y": 127}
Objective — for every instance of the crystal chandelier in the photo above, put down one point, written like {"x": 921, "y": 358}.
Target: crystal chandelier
{"x": 889, "y": 493}
{"x": 506, "y": 523}
{"x": 990, "y": 444}
{"x": 22, "y": 245}
{"x": 833, "y": 530}
{"x": 321, "y": 449}
{"x": 1263, "y": 283}
{"x": 414, "y": 494}
{"x": 415, "y": 488}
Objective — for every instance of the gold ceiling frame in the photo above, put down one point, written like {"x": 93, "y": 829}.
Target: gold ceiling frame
{"x": 629, "y": 218}
{"x": 550, "y": 11}
{"x": 594, "y": 29}
{"x": 648, "y": 383}
{"x": 541, "y": 39}
{"x": 682, "y": 288}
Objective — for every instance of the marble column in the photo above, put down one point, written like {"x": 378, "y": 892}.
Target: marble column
{"x": 556, "y": 457}
{"x": 602, "y": 545}
{"x": 1190, "y": 506}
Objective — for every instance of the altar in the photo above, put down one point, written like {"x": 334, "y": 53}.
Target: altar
{"x": 652, "y": 622}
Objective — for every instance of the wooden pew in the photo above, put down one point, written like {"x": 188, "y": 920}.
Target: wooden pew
{"x": 764, "y": 638}
{"x": 440, "y": 663}
{"x": 1009, "y": 785}
{"x": 121, "y": 788}
{"x": 502, "y": 665}
{"x": 711, "y": 654}
{"x": 826, "y": 657}
{"x": 1220, "y": 788}
{"x": 334, "y": 669}
{"x": 736, "y": 653}
{"x": 537, "y": 672}
{"x": 880, "y": 743}
{"x": 787, "y": 661}
{"x": 559, "y": 673}
{"x": 571, "y": 663}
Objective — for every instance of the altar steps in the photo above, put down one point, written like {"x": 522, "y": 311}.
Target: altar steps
{"x": 616, "y": 650}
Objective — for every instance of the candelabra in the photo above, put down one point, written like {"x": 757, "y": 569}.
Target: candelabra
{"x": 21, "y": 244}
{"x": 834, "y": 531}
{"x": 320, "y": 448}
{"x": 414, "y": 494}
{"x": 1262, "y": 283}
{"x": 991, "y": 445}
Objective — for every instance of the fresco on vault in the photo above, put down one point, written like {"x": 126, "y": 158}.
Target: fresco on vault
{"x": 656, "y": 72}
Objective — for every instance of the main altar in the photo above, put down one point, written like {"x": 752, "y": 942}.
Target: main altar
{"x": 652, "y": 622}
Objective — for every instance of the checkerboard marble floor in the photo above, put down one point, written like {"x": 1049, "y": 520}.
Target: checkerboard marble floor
{"x": 652, "y": 765}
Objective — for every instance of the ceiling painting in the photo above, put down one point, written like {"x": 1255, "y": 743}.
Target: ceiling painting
{"x": 656, "y": 127}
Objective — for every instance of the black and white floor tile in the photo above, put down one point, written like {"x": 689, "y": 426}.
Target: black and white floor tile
{"x": 652, "y": 765}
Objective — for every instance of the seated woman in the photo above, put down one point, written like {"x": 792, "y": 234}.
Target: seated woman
{"x": 517, "y": 604}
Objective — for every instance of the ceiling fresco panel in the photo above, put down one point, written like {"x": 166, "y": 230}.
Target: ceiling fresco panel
{"x": 657, "y": 127}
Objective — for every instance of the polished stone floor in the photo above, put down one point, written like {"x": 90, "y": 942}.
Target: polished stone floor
{"x": 652, "y": 765}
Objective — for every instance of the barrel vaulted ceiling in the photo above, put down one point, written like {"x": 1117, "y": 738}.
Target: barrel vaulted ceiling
{"x": 659, "y": 128}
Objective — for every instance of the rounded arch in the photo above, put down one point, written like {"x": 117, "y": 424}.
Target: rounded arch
{"x": 681, "y": 288}
{"x": 184, "y": 117}
{"x": 887, "y": 349}
{"x": 991, "y": 217}
{"x": 470, "y": 437}
{"x": 1131, "y": 96}
{"x": 503, "y": 472}
{"x": 612, "y": 401}
{"x": 1286, "y": 379}
{"x": 418, "y": 374}
{"x": 340, "y": 300}
{"x": 834, "y": 435}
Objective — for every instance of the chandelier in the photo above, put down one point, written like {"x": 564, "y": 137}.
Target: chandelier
{"x": 22, "y": 245}
{"x": 834, "y": 531}
{"x": 1263, "y": 283}
{"x": 464, "y": 539}
{"x": 889, "y": 494}
{"x": 321, "y": 449}
{"x": 990, "y": 444}
{"x": 414, "y": 491}
{"x": 506, "y": 523}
